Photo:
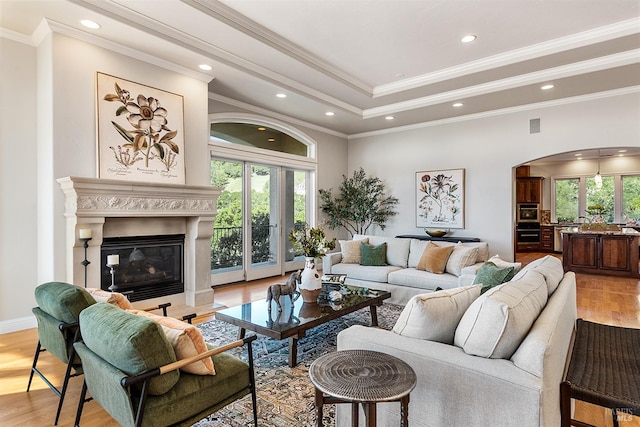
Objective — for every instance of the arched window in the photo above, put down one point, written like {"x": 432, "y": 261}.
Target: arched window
{"x": 266, "y": 170}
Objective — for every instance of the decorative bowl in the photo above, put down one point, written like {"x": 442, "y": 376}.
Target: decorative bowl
{"x": 436, "y": 233}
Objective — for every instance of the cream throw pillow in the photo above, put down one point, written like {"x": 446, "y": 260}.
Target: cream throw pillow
{"x": 461, "y": 257}
{"x": 114, "y": 298}
{"x": 187, "y": 341}
{"x": 496, "y": 323}
{"x": 351, "y": 252}
{"x": 434, "y": 258}
{"x": 435, "y": 316}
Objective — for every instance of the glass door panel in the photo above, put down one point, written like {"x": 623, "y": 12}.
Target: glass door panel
{"x": 263, "y": 239}
{"x": 227, "y": 260}
{"x": 295, "y": 212}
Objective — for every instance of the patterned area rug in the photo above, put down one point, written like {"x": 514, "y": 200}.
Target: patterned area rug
{"x": 285, "y": 395}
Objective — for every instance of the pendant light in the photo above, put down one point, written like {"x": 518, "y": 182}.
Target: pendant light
{"x": 598, "y": 178}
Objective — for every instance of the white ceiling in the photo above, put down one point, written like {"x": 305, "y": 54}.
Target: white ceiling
{"x": 365, "y": 59}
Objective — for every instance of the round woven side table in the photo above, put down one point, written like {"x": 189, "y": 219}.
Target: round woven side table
{"x": 362, "y": 377}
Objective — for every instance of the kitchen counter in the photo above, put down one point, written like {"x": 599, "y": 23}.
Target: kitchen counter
{"x": 602, "y": 252}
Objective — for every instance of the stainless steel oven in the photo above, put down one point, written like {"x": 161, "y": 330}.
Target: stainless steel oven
{"x": 528, "y": 212}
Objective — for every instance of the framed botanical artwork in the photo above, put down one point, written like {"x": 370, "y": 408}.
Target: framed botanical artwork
{"x": 440, "y": 199}
{"x": 140, "y": 132}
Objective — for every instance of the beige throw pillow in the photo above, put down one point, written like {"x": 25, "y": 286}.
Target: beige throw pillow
{"x": 496, "y": 323}
{"x": 461, "y": 257}
{"x": 351, "y": 252}
{"x": 187, "y": 341}
{"x": 434, "y": 258}
{"x": 114, "y": 298}
{"x": 435, "y": 316}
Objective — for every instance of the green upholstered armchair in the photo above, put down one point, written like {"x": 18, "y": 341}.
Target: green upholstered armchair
{"x": 59, "y": 305}
{"x": 130, "y": 369}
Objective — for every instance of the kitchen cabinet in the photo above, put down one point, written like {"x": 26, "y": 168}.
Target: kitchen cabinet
{"x": 546, "y": 238}
{"x": 529, "y": 189}
{"x": 613, "y": 254}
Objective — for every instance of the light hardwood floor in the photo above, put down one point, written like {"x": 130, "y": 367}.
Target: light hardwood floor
{"x": 604, "y": 299}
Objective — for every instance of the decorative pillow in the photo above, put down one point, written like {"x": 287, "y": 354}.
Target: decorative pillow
{"x": 505, "y": 264}
{"x": 434, "y": 258}
{"x": 490, "y": 275}
{"x": 114, "y": 298}
{"x": 63, "y": 301}
{"x": 186, "y": 339}
{"x": 496, "y": 323}
{"x": 141, "y": 345}
{"x": 351, "y": 251}
{"x": 373, "y": 255}
{"x": 461, "y": 257}
{"x": 435, "y": 316}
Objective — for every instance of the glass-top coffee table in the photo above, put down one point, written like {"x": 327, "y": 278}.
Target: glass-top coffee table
{"x": 295, "y": 319}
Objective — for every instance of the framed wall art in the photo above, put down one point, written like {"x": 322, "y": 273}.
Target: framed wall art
{"x": 140, "y": 132}
{"x": 440, "y": 198}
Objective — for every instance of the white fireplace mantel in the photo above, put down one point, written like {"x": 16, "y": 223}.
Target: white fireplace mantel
{"x": 112, "y": 208}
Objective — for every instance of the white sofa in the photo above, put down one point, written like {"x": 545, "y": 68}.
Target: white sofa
{"x": 400, "y": 276}
{"x": 455, "y": 388}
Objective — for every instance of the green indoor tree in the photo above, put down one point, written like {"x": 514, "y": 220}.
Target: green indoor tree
{"x": 361, "y": 203}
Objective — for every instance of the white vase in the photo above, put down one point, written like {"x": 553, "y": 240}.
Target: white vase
{"x": 310, "y": 281}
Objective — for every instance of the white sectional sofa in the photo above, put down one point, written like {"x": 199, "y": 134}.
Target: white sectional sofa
{"x": 400, "y": 276}
{"x": 500, "y": 365}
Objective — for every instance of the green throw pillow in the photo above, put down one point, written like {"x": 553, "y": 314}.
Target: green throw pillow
{"x": 373, "y": 255}
{"x": 490, "y": 275}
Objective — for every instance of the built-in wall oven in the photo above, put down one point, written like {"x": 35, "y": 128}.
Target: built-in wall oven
{"x": 528, "y": 232}
{"x": 528, "y": 212}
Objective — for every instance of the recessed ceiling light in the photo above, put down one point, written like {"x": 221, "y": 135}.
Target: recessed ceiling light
{"x": 389, "y": 118}
{"x": 329, "y": 113}
{"x": 262, "y": 129}
{"x": 622, "y": 151}
{"x": 205, "y": 67}
{"x": 468, "y": 38}
{"x": 578, "y": 154}
{"x": 281, "y": 95}
{"x": 547, "y": 87}
{"x": 271, "y": 140}
{"x": 90, "y": 24}
{"x": 458, "y": 104}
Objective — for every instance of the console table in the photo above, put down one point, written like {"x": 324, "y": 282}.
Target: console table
{"x": 439, "y": 239}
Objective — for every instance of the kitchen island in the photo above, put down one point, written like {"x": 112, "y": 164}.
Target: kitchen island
{"x": 613, "y": 253}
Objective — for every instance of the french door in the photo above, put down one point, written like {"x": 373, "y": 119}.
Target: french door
{"x": 258, "y": 206}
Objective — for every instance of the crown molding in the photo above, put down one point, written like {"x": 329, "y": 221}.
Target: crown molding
{"x": 5, "y": 33}
{"x": 588, "y": 66}
{"x": 221, "y": 12}
{"x": 57, "y": 27}
{"x": 609, "y": 32}
{"x": 269, "y": 113}
{"x": 502, "y": 111}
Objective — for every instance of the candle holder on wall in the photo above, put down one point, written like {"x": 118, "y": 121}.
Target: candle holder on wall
{"x": 112, "y": 262}
{"x": 85, "y": 262}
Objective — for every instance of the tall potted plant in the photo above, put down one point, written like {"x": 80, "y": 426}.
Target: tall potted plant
{"x": 360, "y": 203}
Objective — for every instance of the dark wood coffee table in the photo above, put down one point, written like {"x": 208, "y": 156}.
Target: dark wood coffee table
{"x": 295, "y": 319}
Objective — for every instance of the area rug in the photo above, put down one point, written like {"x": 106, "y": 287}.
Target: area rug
{"x": 285, "y": 395}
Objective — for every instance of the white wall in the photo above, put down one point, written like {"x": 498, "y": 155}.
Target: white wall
{"x": 488, "y": 148}
{"x": 59, "y": 141}
{"x": 18, "y": 185}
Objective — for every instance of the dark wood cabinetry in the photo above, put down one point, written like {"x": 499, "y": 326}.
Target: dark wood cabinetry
{"x": 546, "y": 238}
{"x": 613, "y": 254}
{"x": 529, "y": 189}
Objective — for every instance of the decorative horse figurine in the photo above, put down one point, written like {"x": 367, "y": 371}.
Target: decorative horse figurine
{"x": 289, "y": 288}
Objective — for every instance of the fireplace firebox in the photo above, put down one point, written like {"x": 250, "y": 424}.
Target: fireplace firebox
{"x": 149, "y": 266}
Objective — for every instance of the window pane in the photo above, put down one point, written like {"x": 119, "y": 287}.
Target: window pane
{"x": 226, "y": 243}
{"x": 295, "y": 206}
{"x": 257, "y": 136}
{"x": 600, "y": 201}
{"x": 264, "y": 214}
{"x": 567, "y": 200}
{"x": 631, "y": 198}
